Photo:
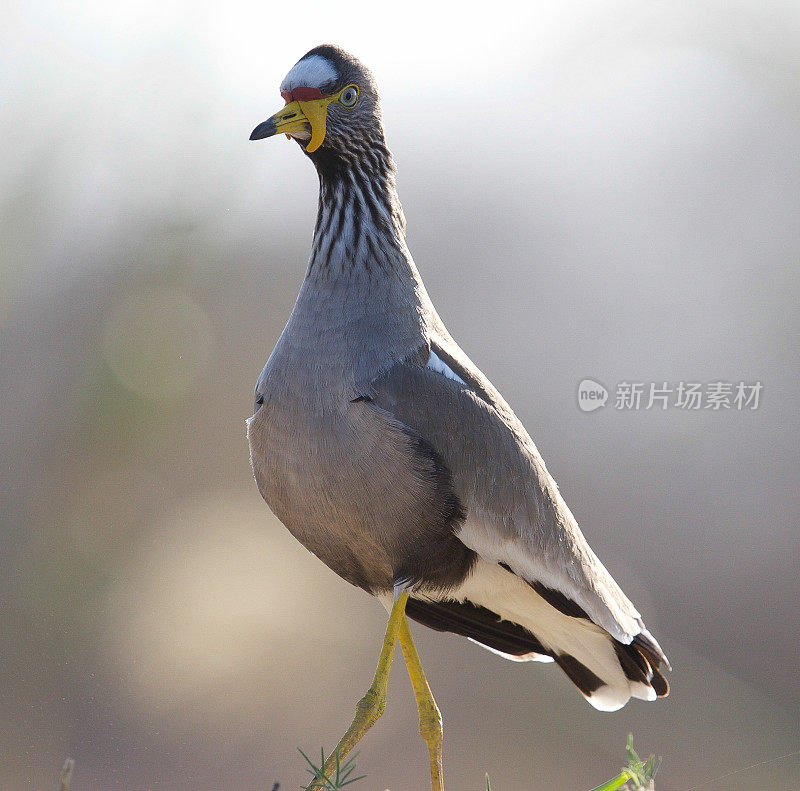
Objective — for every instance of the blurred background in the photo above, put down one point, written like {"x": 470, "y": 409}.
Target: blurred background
{"x": 605, "y": 190}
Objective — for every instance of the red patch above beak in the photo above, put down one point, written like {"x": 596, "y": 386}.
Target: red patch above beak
{"x": 302, "y": 94}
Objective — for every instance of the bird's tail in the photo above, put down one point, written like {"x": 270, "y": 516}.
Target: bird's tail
{"x": 516, "y": 622}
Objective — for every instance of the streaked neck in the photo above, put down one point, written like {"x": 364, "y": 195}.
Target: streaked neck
{"x": 360, "y": 226}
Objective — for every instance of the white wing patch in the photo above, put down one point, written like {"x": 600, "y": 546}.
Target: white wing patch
{"x": 311, "y": 72}
{"x": 483, "y": 537}
{"x": 435, "y": 363}
{"x": 514, "y": 600}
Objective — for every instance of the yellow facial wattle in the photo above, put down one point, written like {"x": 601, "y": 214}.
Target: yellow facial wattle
{"x": 297, "y": 115}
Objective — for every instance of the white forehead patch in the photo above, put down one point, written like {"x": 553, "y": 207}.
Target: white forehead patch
{"x": 311, "y": 72}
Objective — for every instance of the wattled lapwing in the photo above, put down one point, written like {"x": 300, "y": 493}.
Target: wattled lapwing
{"x": 390, "y": 456}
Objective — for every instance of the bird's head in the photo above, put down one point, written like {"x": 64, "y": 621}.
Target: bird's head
{"x": 331, "y": 106}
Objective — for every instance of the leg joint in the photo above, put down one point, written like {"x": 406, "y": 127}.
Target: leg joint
{"x": 371, "y": 706}
{"x": 430, "y": 723}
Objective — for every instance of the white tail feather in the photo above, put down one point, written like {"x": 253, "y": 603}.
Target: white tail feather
{"x": 502, "y": 592}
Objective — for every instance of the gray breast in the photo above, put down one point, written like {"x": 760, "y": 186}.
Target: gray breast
{"x": 368, "y": 496}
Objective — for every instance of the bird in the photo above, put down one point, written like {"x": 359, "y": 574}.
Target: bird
{"x": 386, "y": 451}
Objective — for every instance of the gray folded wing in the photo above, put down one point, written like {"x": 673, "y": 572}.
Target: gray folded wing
{"x": 515, "y": 515}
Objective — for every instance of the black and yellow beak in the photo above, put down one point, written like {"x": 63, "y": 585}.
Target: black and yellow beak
{"x": 297, "y": 116}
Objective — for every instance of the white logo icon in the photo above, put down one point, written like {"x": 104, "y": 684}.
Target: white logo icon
{"x": 591, "y": 395}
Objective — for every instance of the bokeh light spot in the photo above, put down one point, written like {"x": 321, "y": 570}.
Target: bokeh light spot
{"x": 158, "y": 344}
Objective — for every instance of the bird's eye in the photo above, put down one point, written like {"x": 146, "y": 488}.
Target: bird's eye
{"x": 349, "y": 96}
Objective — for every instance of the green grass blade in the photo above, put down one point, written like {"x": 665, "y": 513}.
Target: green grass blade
{"x": 341, "y": 776}
{"x": 617, "y": 782}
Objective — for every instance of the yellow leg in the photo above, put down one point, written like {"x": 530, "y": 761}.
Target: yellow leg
{"x": 430, "y": 719}
{"x": 371, "y": 706}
